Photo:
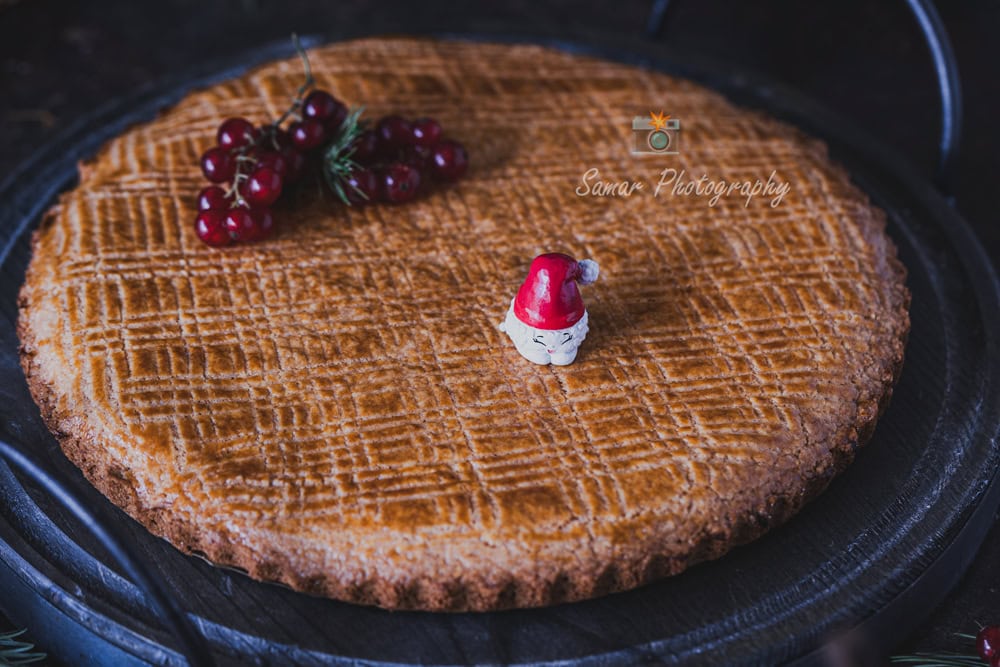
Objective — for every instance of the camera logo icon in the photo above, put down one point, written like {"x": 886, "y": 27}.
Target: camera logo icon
{"x": 656, "y": 135}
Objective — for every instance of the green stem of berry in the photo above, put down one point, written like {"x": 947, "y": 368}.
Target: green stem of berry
{"x": 244, "y": 165}
{"x": 306, "y": 86}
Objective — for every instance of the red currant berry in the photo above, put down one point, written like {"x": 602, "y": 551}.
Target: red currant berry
{"x": 988, "y": 642}
{"x": 273, "y": 160}
{"x": 282, "y": 140}
{"x": 307, "y": 134}
{"x": 336, "y": 121}
{"x": 295, "y": 161}
{"x": 361, "y": 187}
{"x": 365, "y": 148}
{"x": 394, "y": 132}
{"x": 263, "y": 187}
{"x": 426, "y": 131}
{"x": 319, "y": 104}
{"x": 263, "y": 223}
{"x": 399, "y": 183}
{"x": 211, "y": 229}
{"x": 212, "y": 198}
{"x": 296, "y": 164}
{"x": 236, "y": 220}
{"x": 419, "y": 157}
{"x": 324, "y": 107}
{"x": 449, "y": 161}
{"x": 218, "y": 165}
{"x": 249, "y": 224}
{"x": 236, "y": 132}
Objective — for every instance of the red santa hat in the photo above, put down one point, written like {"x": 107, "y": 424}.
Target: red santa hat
{"x": 549, "y": 297}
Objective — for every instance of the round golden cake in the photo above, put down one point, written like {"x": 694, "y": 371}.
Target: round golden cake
{"x": 335, "y": 408}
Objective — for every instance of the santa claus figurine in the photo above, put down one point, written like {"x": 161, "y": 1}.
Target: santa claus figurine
{"x": 547, "y": 320}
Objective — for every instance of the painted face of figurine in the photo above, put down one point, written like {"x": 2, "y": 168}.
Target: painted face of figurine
{"x": 545, "y": 346}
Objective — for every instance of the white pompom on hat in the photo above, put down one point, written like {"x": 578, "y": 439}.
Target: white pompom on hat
{"x": 589, "y": 270}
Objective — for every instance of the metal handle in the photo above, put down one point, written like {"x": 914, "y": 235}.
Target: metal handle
{"x": 194, "y": 647}
{"x": 945, "y": 69}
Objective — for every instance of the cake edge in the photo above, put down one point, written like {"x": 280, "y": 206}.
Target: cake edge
{"x": 424, "y": 591}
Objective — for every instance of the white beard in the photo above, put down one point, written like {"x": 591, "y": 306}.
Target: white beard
{"x": 545, "y": 346}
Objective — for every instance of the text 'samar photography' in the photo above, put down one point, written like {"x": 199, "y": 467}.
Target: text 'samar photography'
{"x": 659, "y": 135}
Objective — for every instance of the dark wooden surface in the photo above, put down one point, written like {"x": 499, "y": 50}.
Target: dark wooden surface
{"x": 60, "y": 60}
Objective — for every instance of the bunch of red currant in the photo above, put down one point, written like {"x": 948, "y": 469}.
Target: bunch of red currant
{"x": 394, "y": 161}
{"x": 251, "y": 166}
{"x": 257, "y": 163}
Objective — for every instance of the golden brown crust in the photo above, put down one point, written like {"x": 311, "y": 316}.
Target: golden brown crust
{"x": 752, "y": 354}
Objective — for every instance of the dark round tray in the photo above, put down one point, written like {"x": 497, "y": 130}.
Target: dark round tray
{"x": 855, "y": 570}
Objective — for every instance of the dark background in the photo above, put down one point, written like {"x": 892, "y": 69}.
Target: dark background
{"x": 60, "y": 60}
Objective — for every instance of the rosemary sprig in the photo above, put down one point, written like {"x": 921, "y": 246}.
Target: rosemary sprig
{"x": 938, "y": 660}
{"x": 15, "y": 652}
{"x": 338, "y": 160}
{"x": 943, "y": 659}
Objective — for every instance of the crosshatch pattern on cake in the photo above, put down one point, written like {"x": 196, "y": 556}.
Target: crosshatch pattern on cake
{"x": 349, "y": 371}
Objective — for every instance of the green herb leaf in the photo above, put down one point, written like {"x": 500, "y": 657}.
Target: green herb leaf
{"x": 16, "y": 652}
{"x": 338, "y": 160}
{"x": 938, "y": 660}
